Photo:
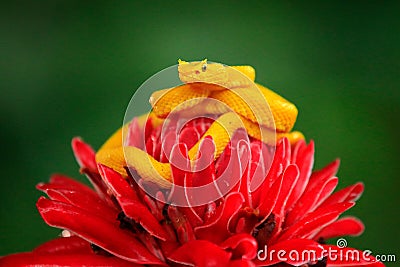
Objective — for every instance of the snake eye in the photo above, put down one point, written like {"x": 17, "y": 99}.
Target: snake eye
{"x": 204, "y": 67}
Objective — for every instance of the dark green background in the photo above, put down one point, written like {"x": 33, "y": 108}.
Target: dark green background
{"x": 69, "y": 68}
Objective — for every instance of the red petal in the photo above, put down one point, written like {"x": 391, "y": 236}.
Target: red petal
{"x": 315, "y": 221}
{"x": 152, "y": 205}
{"x": 135, "y": 135}
{"x": 222, "y": 162}
{"x": 325, "y": 173}
{"x": 181, "y": 174}
{"x": 201, "y": 124}
{"x": 204, "y": 169}
{"x": 205, "y": 188}
{"x": 231, "y": 167}
{"x": 192, "y": 216}
{"x": 310, "y": 199}
{"x": 66, "y": 182}
{"x": 148, "y": 127}
{"x": 180, "y": 164}
{"x": 287, "y": 153}
{"x": 64, "y": 260}
{"x": 140, "y": 214}
{"x": 268, "y": 199}
{"x": 211, "y": 210}
{"x": 65, "y": 245}
{"x": 153, "y": 146}
{"x": 281, "y": 160}
{"x": 261, "y": 160}
{"x": 272, "y": 175}
{"x": 151, "y": 244}
{"x": 350, "y": 257}
{"x": 297, "y": 149}
{"x": 289, "y": 179}
{"x": 200, "y": 253}
{"x": 86, "y": 158}
{"x": 130, "y": 204}
{"x": 168, "y": 247}
{"x": 343, "y": 227}
{"x": 182, "y": 181}
{"x": 84, "y": 154}
{"x": 281, "y": 252}
{"x": 62, "y": 181}
{"x": 217, "y": 229}
{"x": 326, "y": 191}
{"x": 243, "y": 246}
{"x": 305, "y": 162}
{"x": 245, "y": 180}
{"x": 169, "y": 140}
{"x": 88, "y": 201}
{"x": 96, "y": 230}
{"x": 183, "y": 228}
{"x": 189, "y": 136}
{"x": 350, "y": 193}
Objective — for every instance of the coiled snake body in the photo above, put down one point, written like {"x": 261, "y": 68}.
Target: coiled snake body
{"x": 264, "y": 114}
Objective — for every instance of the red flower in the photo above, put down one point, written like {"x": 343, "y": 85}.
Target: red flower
{"x": 216, "y": 190}
{"x": 118, "y": 224}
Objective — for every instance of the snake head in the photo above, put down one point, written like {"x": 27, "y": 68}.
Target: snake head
{"x": 201, "y": 71}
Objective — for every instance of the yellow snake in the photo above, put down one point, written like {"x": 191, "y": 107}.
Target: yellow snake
{"x": 245, "y": 105}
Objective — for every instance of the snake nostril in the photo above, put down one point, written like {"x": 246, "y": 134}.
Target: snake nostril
{"x": 197, "y": 72}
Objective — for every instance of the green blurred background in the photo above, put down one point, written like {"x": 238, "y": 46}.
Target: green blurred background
{"x": 69, "y": 68}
